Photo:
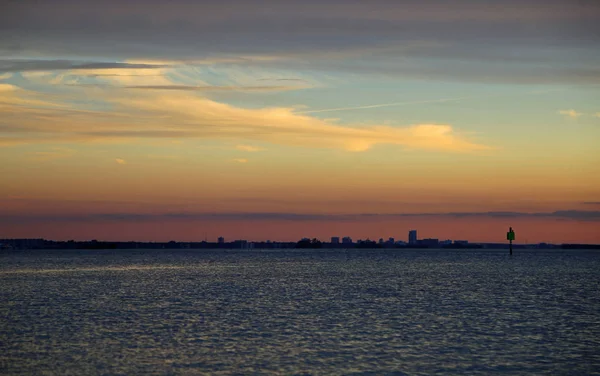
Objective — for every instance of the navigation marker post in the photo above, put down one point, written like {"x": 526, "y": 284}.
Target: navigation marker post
{"x": 510, "y": 236}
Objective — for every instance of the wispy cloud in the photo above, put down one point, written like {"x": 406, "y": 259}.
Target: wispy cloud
{"x": 576, "y": 215}
{"x": 394, "y": 104}
{"x": 15, "y": 141}
{"x": 216, "y": 88}
{"x": 283, "y": 79}
{"x": 120, "y": 161}
{"x": 240, "y": 160}
{"x": 50, "y": 65}
{"x": 53, "y": 153}
{"x": 13, "y": 98}
{"x": 597, "y": 114}
{"x": 249, "y": 148}
{"x": 118, "y": 75}
{"x": 570, "y": 113}
{"x": 164, "y": 157}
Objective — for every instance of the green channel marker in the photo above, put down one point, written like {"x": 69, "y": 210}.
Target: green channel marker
{"x": 510, "y": 236}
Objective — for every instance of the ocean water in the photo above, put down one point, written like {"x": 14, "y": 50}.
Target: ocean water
{"x": 327, "y": 312}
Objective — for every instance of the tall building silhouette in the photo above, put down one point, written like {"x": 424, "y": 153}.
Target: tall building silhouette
{"x": 412, "y": 237}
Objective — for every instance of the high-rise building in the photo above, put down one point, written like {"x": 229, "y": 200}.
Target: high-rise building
{"x": 221, "y": 240}
{"x": 346, "y": 240}
{"x": 412, "y": 237}
{"x": 335, "y": 240}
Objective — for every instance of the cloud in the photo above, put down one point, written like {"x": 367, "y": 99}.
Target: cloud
{"x": 14, "y": 141}
{"x": 164, "y": 157}
{"x": 536, "y": 41}
{"x": 282, "y": 79}
{"x": 217, "y": 88}
{"x": 120, "y": 161}
{"x": 14, "y": 98}
{"x": 329, "y": 17}
{"x": 52, "y": 154}
{"x": 380, "y": 105}
{"x": 281, "y": 125}
{"x": 50, "y": 65}
{"x": 597, "y": 114}
{"x": 591, "y": 203}
{"x": 119, "y": 75}
{"x": 570, "y": 113}
{"x": 240, "y": 160}
{"x": 188, "y": 87}
{"x": 249, "y": 148}
{"x": 258, "y": 216}
{"x": 181, "y": 114}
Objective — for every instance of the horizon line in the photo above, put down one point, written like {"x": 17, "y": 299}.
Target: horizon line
{"x": 354, "y": 242}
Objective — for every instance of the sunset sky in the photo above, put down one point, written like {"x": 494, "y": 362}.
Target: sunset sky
{"x": 180, "y": 120}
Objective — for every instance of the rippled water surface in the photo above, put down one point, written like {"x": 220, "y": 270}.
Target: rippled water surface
{"x": 308, "y": 312}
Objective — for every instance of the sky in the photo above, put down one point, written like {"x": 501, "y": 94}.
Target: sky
{"x": 255, "y": 119}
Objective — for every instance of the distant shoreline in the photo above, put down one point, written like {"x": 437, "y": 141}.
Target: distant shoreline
{"x": 43, "y": 244}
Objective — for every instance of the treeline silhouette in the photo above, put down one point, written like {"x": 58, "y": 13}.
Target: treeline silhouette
{"x": 316, "y": 243}
{"x": 309, "y": 243}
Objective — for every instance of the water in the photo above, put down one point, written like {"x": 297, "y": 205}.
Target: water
{"x": 300, "y": 312}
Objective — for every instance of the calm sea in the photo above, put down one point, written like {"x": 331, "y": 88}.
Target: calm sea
{"x": 300, "y": 312}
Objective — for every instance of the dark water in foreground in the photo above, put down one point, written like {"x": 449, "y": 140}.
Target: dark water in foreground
{"x": 311, "y": 312}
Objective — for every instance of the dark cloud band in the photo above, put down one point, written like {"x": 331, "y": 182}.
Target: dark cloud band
{"x": 577, "y": 215}
{"x": 48, "y": 65}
